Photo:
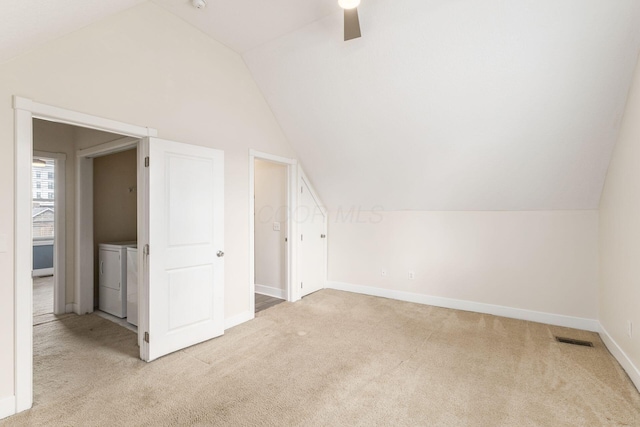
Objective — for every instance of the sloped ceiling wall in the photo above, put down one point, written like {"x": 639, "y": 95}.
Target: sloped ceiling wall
{"x": 456, "y": 105}
{"x": 25, "y": 25}
{"x": 441, "y": 105}
{"x": 245, "y": 24}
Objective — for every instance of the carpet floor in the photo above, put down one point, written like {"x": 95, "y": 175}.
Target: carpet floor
{"x": 333, "y": 359}
{"x": 42, "y": 295}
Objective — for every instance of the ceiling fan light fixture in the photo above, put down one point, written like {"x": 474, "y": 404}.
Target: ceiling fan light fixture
{"x": 348, "y": 4}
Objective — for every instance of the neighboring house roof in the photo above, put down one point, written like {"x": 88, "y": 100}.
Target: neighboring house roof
{"x": 40, "y": 211}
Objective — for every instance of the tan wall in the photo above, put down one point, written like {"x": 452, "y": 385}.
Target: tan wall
{"x": 114, "y": 201}
{"x": 146, "y": 67}
{"x": 620, "y": 234}
{"x": 270, "y": 207}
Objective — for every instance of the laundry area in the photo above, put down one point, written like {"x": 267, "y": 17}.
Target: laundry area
{"x": 115, "y": 237}
{"x": 118, "y": 280}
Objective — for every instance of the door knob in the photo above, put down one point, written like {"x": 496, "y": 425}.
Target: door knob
{"x": 220, "y": 254}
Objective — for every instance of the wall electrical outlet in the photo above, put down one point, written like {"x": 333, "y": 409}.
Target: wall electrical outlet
{"x": 383, "y": 272}
{"x": 276, "y": 226}
{"x": 412, "y": 275}
{"x": 630, "y": 328}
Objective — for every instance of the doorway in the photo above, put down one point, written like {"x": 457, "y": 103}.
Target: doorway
{"x": 115, "y": 235}
{"x": 272, "y": 250}
{"x": 48, "y": 233}
{"x": 270, "y": 233}
{"x": 26, "y": 111}
{"x": 180, "y": 205}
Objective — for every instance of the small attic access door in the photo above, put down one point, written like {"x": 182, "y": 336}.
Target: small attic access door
{"x": 182, "y": 300}
{"x": 312, "y": 223}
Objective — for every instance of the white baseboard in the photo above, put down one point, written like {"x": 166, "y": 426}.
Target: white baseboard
{"x": 621, "y": 357}
{"x": 71, "y": 308}
{"x": 478, "y": 307}
{"x": 7, "y": 406}
{"x": 42, "y": 272}
{"x": 238, "y": 319}
{"x": 271, "y": 291}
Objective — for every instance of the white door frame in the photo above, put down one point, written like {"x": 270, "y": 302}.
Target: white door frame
{"x": 85, "y": 252}
{"x": 25, "y": 111}
{"x": 59, "y": 230}
{"x": 292, "y": 292}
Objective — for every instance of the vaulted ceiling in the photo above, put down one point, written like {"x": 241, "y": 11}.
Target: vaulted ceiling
{"x": 26, "y": 24}
{"x": 441, "y": 105}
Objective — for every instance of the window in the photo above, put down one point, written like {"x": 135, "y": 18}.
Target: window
{"x": 43, "y": 201}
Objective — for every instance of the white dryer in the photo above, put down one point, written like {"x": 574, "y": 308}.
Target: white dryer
{"x": 112, "y": 277}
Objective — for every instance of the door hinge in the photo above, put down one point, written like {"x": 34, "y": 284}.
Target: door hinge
{"x": 300, "y": 285}
{"x": 146, "y": 250}
{"x": 302, "y": 237}
{"x": 146, "y": 337}
{"x": 146, "y": 162}
{"x": 301, "y": 190}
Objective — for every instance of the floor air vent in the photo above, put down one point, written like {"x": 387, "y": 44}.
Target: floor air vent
{"x": 574, "y": 342}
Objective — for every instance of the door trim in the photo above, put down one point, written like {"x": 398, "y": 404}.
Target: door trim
{"x": 25, "y": 111}
{"x": 60, "y": 230}
{"x": 85, "y": 244}
{"x": 292, "y": 292}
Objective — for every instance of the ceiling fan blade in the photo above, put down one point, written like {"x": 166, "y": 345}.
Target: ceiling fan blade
{"x": 351, "y": 24}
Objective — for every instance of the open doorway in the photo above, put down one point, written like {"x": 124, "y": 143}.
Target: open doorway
{"x": 48, "y": 229}
{"x": 101, "y": 193}
{"x": 272, "y": 195}
{"x": 115, "y": 237}
{"x": 180, "y": 224}
{"x": 270, "y": 233}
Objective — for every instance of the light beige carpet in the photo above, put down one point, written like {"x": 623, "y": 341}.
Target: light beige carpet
{"x": 43, "y": 301}
{"x": 333, "y": 359}
{"x": 42, "y": 295}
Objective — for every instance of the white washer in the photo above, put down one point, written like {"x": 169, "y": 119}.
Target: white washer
{"x": 132, "y": 286}
{"x": 112, "y": 277}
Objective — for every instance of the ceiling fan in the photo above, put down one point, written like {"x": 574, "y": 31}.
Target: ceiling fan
{"x": 351, "y": 21}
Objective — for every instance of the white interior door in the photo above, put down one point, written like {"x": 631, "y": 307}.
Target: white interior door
{"x": 183, "y": 287}
{"x": 312, "y": 225}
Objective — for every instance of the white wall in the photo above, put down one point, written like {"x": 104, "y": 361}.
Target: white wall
{"x": 467, "y": 105}
{"x": 540, "y": 261}
{"x": 146, "y": 67}
{"x": 270, "y": 247}
{"x": 620, "y": 236}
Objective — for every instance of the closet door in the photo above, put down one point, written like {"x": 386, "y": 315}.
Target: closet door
{"x": 312, "y": 226}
